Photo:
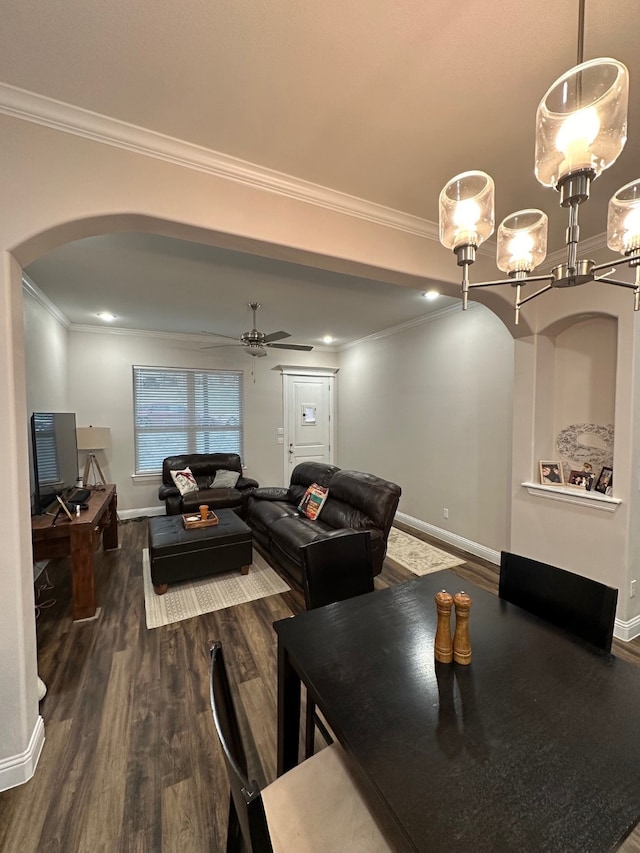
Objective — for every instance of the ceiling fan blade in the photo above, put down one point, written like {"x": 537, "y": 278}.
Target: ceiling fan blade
{"x": 276, "y": 336}
{"x": 290, "y": 346}
{"x": 218, "y": 335}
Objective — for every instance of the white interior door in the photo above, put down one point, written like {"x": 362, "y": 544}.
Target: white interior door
{"x": 308, "y": 420}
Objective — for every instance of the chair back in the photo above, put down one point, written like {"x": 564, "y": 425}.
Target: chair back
{"x": 337, "y": 568}
{"x": 581, "y": 606}
{"x": 246, "y": 807}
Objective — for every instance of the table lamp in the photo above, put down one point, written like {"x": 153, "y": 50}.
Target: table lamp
{"x": 93, "y": 438}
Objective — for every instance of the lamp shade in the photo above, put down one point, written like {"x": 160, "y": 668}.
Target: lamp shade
{"x": 623, "y": 220}
{"x": 93, "y": 438}
{"x": 581, "y": 122}
{"x": 466, "y": 210}
{"x": 522, "y": 241}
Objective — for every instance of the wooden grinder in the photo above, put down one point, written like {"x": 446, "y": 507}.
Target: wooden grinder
{"x": 461, "y": 639}
{"x": 443, "y": 645}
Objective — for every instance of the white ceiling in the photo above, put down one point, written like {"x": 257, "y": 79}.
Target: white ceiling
{"x": 384, "y": 101}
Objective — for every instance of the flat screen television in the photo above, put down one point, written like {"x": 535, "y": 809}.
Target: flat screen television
{"x": 54, "y": 452}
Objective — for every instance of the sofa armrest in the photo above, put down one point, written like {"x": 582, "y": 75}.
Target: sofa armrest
{"x": 246, "y": 483}
{"x": 165, "y": 492}
{"x": 271, "y": 493}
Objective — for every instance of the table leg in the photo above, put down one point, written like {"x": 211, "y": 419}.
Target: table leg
{"x": 288, "y": 712}
{"x": 110, "y": 533}
{"x": 82, "y": 573}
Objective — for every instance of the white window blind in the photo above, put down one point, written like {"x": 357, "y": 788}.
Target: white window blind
{"x": 46, "y": 448}
{"x": 178, "y": 410}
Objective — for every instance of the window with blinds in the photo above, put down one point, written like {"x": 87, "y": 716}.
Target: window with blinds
{"x": 46, "y": 448}
{"x": 178, "y": 410}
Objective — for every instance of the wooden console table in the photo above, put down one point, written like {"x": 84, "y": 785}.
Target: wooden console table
{"x": 78, "y": 539}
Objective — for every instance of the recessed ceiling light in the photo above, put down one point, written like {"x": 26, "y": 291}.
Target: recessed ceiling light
{"x": 106, "y": 316}
{"x": 431, "y": 294}
{"x": 327, "y": 339}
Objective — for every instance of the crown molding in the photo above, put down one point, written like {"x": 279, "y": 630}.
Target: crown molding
{"x": 51, "y": 113}
{"x": 409, "y": 324}
{"x": 34, "y": 291}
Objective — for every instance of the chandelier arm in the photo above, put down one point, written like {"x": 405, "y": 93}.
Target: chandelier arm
{"x": 531, "y": 296}
{"x": 511, "y": 281}
{"x": 630, "y": 260}
{"x": 618, "y": 283}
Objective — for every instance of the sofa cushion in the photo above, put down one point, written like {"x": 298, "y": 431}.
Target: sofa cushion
{"x": 225, "y": 479}
{"x": 214, "y": 498}
{"x": 262, "y": 514}
{"x": 290, "y": 533}
{"x": 185, "y": 481}
{"x": 375, "y": 498}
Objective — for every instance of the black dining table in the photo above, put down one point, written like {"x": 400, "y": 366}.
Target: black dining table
{"x": 534, "y": 746}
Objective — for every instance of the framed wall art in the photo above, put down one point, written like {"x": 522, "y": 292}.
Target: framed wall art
{"x": 551, "y": 474}
{"x": 604, "y": 484}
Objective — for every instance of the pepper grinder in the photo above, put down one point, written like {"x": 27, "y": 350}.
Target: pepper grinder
{"x": 461, "y": 639}
{"x": 443, "y": 648}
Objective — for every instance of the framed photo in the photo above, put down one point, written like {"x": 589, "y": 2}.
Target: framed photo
{"x": 551, "y": 474}
{"x": 604, "y": 484}
{"x": 582, "y": 479}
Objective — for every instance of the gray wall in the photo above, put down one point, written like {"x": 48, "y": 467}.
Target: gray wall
{"x": 430, "y": 408}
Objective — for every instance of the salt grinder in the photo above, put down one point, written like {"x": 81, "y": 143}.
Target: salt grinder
{"x": 443, "y": 646}
{"x": 461, "y": 640}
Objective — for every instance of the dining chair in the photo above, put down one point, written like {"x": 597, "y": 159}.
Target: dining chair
{"x": 333, "y": 569}
{"x": 581, "y": 606}
{"x": 316, "y": 806}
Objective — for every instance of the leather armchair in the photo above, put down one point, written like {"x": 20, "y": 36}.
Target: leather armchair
{"x": 204, "y": 467}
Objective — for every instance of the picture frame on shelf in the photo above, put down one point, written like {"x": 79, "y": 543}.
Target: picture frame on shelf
{"x": 581, "y": 479}
{"x": 551, "y": 473}
{"x": 604, "y": 484}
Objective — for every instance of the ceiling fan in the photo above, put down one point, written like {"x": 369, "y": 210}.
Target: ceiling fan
{"x": 255, "y": 342}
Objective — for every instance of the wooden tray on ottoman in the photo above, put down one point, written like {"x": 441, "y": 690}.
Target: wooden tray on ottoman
{"x": 192, "y": 521}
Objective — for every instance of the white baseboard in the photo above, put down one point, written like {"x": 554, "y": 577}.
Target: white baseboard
{"x": 467, "y": 545}
{"x": 18, "y": 769}
{"x": 627, "y": 631}
{"x": 138, "y": 513}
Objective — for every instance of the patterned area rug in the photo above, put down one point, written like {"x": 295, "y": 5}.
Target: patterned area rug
{"x": 193, "y": 598}
{"x": 417, "y": 556}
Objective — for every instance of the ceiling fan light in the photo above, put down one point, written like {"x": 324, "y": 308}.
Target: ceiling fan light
{"x": 522, "y": 241}
{"x": 623, "y": 219}
{"x": 581, "y": 122}
{"x": 466, "y": 210}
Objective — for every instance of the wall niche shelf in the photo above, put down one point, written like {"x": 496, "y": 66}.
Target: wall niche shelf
{"x": 592, "y": 500}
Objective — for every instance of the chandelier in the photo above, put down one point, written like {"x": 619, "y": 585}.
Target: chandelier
{"x": 581, "y": 129}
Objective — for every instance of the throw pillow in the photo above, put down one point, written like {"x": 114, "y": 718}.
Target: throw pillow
{"x": 225, "y": 479}
{"x": 185, "y": 481}
{"x": 313, "y": 500}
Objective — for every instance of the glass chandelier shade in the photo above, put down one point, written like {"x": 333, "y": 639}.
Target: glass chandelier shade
{"x": 623, "y": 219}
{"x": 522, "y": 241}
{"x": 581, "y": 122}
{"x": 466, "y": 210}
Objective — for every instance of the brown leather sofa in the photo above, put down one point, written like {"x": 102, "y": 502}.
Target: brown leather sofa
{"x": 204, "y": 467}
{"x": 356, "y": 501}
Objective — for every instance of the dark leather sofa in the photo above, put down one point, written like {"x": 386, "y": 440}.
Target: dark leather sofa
{"x": 356, "y": 501}
{"x": 204, "y": 467}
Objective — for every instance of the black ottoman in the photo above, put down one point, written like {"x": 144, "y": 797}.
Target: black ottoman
{"x": 179, "y": 554}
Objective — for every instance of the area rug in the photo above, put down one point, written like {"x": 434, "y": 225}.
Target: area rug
{"x": 419, "y": 557}
{"x": 193, "y": 598}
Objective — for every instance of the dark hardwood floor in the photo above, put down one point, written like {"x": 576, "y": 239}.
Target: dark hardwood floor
{"x": 130, "y": 761}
